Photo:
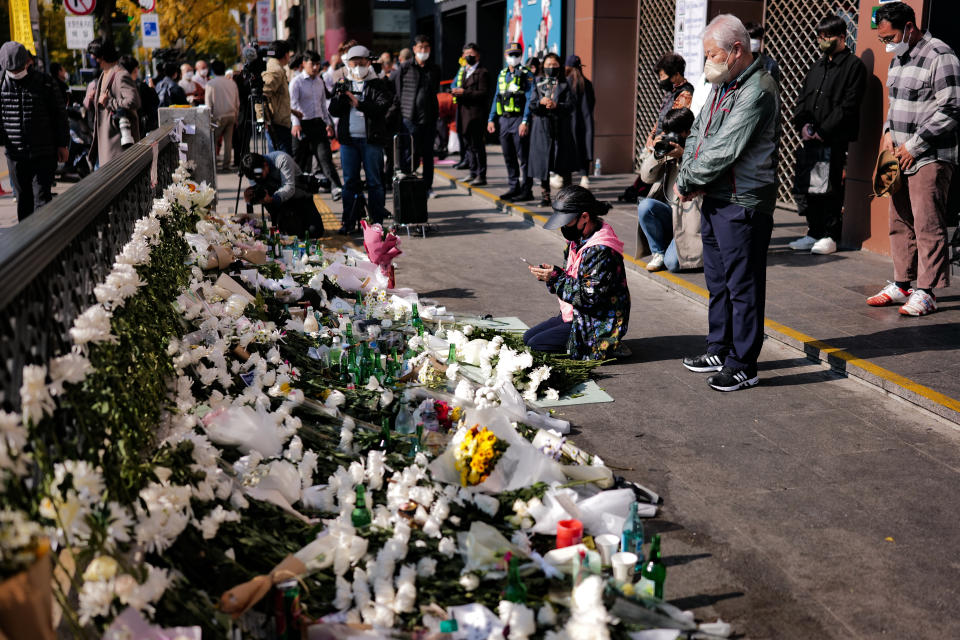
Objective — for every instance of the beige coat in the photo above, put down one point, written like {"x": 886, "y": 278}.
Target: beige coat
{"x": 223, "y": 98}
{"x": 686, "y": 215}
{"x": 121, "y": 93}
{"x": 277, "y": 93}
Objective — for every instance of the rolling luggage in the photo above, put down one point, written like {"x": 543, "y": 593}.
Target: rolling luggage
{"x": 409, "y": 190}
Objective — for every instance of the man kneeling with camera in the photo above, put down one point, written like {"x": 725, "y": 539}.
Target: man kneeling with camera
{"x": 286, "y": 193}
{"x": 671, "y": 227}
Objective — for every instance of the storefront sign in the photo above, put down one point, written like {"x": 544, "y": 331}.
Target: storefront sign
{"x": 691, "y": 20}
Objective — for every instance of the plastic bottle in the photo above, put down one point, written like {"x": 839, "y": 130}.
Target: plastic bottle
{"x": 310, "y": 324}
{"x": 631, "y": 539}
{"x": 597, "y": 167}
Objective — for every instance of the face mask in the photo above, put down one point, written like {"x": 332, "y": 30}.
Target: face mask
{"x": 573, "y": 234}
{"x": 827, "y": 46}
{"x": 19, "y": 75}
{"x": 470, "y": 60}
{"x": 551, "y": 72}
{"x": 716, "y": 72}
{"x": 423, "y": 56}
{"x": 203, "y": 73}
{"x": 666, "y": 85}
{"x": 899, "y": 48}
{"x": 188, "y": 76}
{"x": 358, "y": 72}
{"x": 513, "y": 61}
{"x": 754, "y": 45}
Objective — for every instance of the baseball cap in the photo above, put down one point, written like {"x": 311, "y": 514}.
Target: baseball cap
{"x": 358, "y": 51}
{"x": 573, "y": 61}
{"x": 514, "y": 47}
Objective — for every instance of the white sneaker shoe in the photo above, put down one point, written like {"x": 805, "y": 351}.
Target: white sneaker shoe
{"x": 803, "y": 244}
{"x": 585, "y": 182}
{"x": 824, "y": 246}
{"x": 920, "y": 303}
{"x": 656, "y": 262}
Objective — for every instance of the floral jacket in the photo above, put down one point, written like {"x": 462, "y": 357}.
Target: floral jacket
{"x": 600, "y": 299}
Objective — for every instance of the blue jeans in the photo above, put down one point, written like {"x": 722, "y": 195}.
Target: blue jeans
{"x": 550, "y": 336}
{"x": 656, "y": 221}
{"x": 353, "y": 153}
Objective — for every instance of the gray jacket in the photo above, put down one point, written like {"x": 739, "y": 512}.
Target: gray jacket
{"x": 731, "y": 153}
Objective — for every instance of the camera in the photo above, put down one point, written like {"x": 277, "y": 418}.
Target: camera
{"x": 340, "y": 87}
{"x": 664, "y": 146}
{"x": 257, "y": 193}
{"x": 254, "y": 64}
{"x": 122, "y": 119}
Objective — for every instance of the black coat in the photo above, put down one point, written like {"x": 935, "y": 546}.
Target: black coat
{"x": 553, "y": 146}
{"x": 473, "y": 105}
{"x": 831, "y": 96}
{"x": 377, "y": 98}
{"x": 416, "y": 90}
{"x": 583, "y": 125}
{"x": 33, "y": 116}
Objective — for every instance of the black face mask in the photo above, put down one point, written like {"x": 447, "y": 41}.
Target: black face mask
{"x": 666, "y": 85}
{"x": 573, "y": 234}
{"x": 470, "y": 60}
{"x": 551, "y": 72}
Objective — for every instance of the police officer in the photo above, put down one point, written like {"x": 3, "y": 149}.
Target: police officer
{"x": 515, "y": 86}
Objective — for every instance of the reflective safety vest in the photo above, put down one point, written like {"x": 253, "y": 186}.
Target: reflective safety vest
{"x": 510, "y": 95}
{"x": 458, "y": 81}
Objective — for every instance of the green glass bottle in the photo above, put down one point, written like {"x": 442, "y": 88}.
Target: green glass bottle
{"x": 516, "y": 591}
{"x": 452, "y": 354}
{"x": 349, "y": 333}
{"x": 385, "y": 438}
{"x": 360, "y": 517}
{"x": 415, "y": 317}
{"x": 417, "y": 445}
{"x": 358, "y": 306}
{"x": 654, "y": 570}
{"x": 345, "y": 366}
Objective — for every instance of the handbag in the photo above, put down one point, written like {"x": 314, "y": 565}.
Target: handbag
{"x": 813, "y": 170}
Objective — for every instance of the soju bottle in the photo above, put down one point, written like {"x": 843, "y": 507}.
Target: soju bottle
{"x": 385, "y": 437}
{"x": 360, "y": 517}
{"x": 344, "y": 366}
{"x": 358, "y": 306}
{"x": 415, "y": 317}
{"x": 349, "y": 333}
{"x": 654, "y": 569}
{"x": 516, "y": 591}
{"x": 631, "y": 539}
{"x": 277, "y": 249}
{"x": 452, "y": 354}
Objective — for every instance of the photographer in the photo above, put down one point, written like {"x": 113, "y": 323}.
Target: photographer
{"x": 361, "y": 104}
{"x": 116, "y": 123}
{"x": 672, "y": 228}
{"x": 551, "y": 114}
{"x": 286, "y": 193}
{"x": 277, "y": 93}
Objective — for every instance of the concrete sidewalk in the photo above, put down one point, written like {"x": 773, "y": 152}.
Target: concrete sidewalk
{"x": 814, "y": 303}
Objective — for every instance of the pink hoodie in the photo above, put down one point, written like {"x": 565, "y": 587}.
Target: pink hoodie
{"x": 605, "y": 236}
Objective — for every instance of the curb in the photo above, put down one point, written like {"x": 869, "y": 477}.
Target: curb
{"x": 840, "y": 361}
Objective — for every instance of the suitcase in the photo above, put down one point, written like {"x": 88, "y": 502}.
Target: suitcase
{"x": 409, "y": 190}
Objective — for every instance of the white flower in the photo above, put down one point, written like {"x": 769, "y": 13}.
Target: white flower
{"x": 307, "y": 467}
{"x": 211, "y": 523}
{"x": 101, "y": 568}
{"x": 35, "y": 396}
{"x": 452, "y": 371}
{"x": 119, "y": 523}
{"x": 92, "y": 326}
{"x": 69, "y": 369}
{"x": 426, "y": 567}
{"x": 468, "y": 330}
{"x": 13, "y": 437}
{"x": 294, "y": 450}
{"x": 447, "y": 547}
{"x": 588, "y": 619}
{"x": 518, "y": 618}
{"x": 135, "y": 252}
{"x": 487, "y": 504}
{"x": 121, "y": 284}
{"x": 469, "y": 581}
{"x": 546, "y": 616}
{"x": 551, "y": 394}
{"x": 95, "y": 600}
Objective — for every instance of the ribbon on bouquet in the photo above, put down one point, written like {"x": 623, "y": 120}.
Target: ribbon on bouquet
{"x": 242, "y": 597}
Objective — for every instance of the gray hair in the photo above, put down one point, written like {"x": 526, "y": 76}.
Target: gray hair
{"x": 726, "y": 29}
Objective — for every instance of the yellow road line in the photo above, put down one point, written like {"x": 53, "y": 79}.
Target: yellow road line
{"x": 330, "y": 219}
{"x": 829, "y": 351}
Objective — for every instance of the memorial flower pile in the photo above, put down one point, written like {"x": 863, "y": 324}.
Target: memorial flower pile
{"x": 477, "y": 455}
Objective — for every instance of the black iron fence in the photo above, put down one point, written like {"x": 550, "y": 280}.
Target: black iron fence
{"x": 51, "y": 262}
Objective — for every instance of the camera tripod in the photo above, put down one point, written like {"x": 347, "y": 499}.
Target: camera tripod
{"x": 256, "y": 126}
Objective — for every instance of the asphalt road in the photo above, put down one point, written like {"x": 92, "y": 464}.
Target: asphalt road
{"x": 811, "y": 506}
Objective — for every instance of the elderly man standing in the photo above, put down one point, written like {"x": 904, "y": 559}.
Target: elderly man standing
{"x": 921, "y": 130}
{"x": 730, "y": 158}
{"x": 223, "y": 98}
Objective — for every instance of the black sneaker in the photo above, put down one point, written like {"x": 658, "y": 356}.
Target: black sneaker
{"x": 732, "y": 379}
{"x": 705, "y": 363}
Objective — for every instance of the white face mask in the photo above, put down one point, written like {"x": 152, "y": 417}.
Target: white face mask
{"x": 203, "y": 73}
{"x": 513, "y": 61}
{"x": 422, "y": 56}
{"x": 18, "y": 75}
{"x": 899, "y": 48}
{"x": 359, "y": 72}
{"x": 188, "y": 76}
{"x": 716, "y": 72}
{"x": 754, "y": 45}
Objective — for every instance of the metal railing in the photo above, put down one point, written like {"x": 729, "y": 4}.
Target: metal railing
{"x": 51, "y": 262}
{"x": 655, "y": 27}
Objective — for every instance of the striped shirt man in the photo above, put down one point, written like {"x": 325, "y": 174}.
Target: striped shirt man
{"x": 924, "y": 91}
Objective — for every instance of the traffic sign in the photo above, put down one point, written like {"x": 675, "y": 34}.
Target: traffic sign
{"x": 150, "y": 30}
{"x": 79, "y": 31}
{"x": 147, "y": 6}
{"x": 80, "y": 7}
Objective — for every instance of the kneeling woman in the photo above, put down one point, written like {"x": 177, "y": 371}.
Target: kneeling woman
{"x": 593, "y": 294}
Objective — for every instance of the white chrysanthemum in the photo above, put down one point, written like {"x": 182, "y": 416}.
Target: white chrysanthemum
{"x": 518, "y": 618}
{"x": 589, "y": 618}
{"x": 95, "y": 600}
{"x": 69, "y": 369}
{"x": 119, "y": 524}
{"x": 35, "y": 398}
{"x": 211, "y": 523}
{"x": 135, "y": 252}
{"x": 92, "y": 326}
{"x": 13, "y": 436}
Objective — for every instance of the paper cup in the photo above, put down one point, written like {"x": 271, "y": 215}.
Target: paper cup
{"x": 624, "y": 564}
{"x": 607, "y": 545}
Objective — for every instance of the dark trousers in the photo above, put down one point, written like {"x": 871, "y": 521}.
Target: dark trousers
{"x": 315, "y": 144}
{"x": 279, "y": 139}
{"x": 550, "y": 336}
{"x": 32, "y": 181}
{"x": 824, "y": 212}
{"x": 473, "y": 137}
{"x": 297, "y": 216}
{"x": 735, "y": 242}
{"x": 516, "y": 150}
{"x": 422, "y": 149}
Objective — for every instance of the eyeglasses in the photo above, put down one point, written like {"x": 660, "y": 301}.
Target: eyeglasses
{"x": 887, "y": 40}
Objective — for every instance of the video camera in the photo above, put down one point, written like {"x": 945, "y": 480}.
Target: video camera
{"x": 254, "y": 64}
{"x": 665, "y": 144}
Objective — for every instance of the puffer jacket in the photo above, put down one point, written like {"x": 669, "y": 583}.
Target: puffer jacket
{"x": 277, "y": 92}
{"x": 33, "y": 117}
{"x": 731, "y": 153}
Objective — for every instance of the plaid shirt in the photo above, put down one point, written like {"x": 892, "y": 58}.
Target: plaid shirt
{"x": 924, "y": 91}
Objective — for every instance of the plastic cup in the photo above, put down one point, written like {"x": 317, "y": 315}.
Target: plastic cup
{"x": 569, "y": 533}
{"x": 607, "y": 545}
{"x": 624, "y": 563}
